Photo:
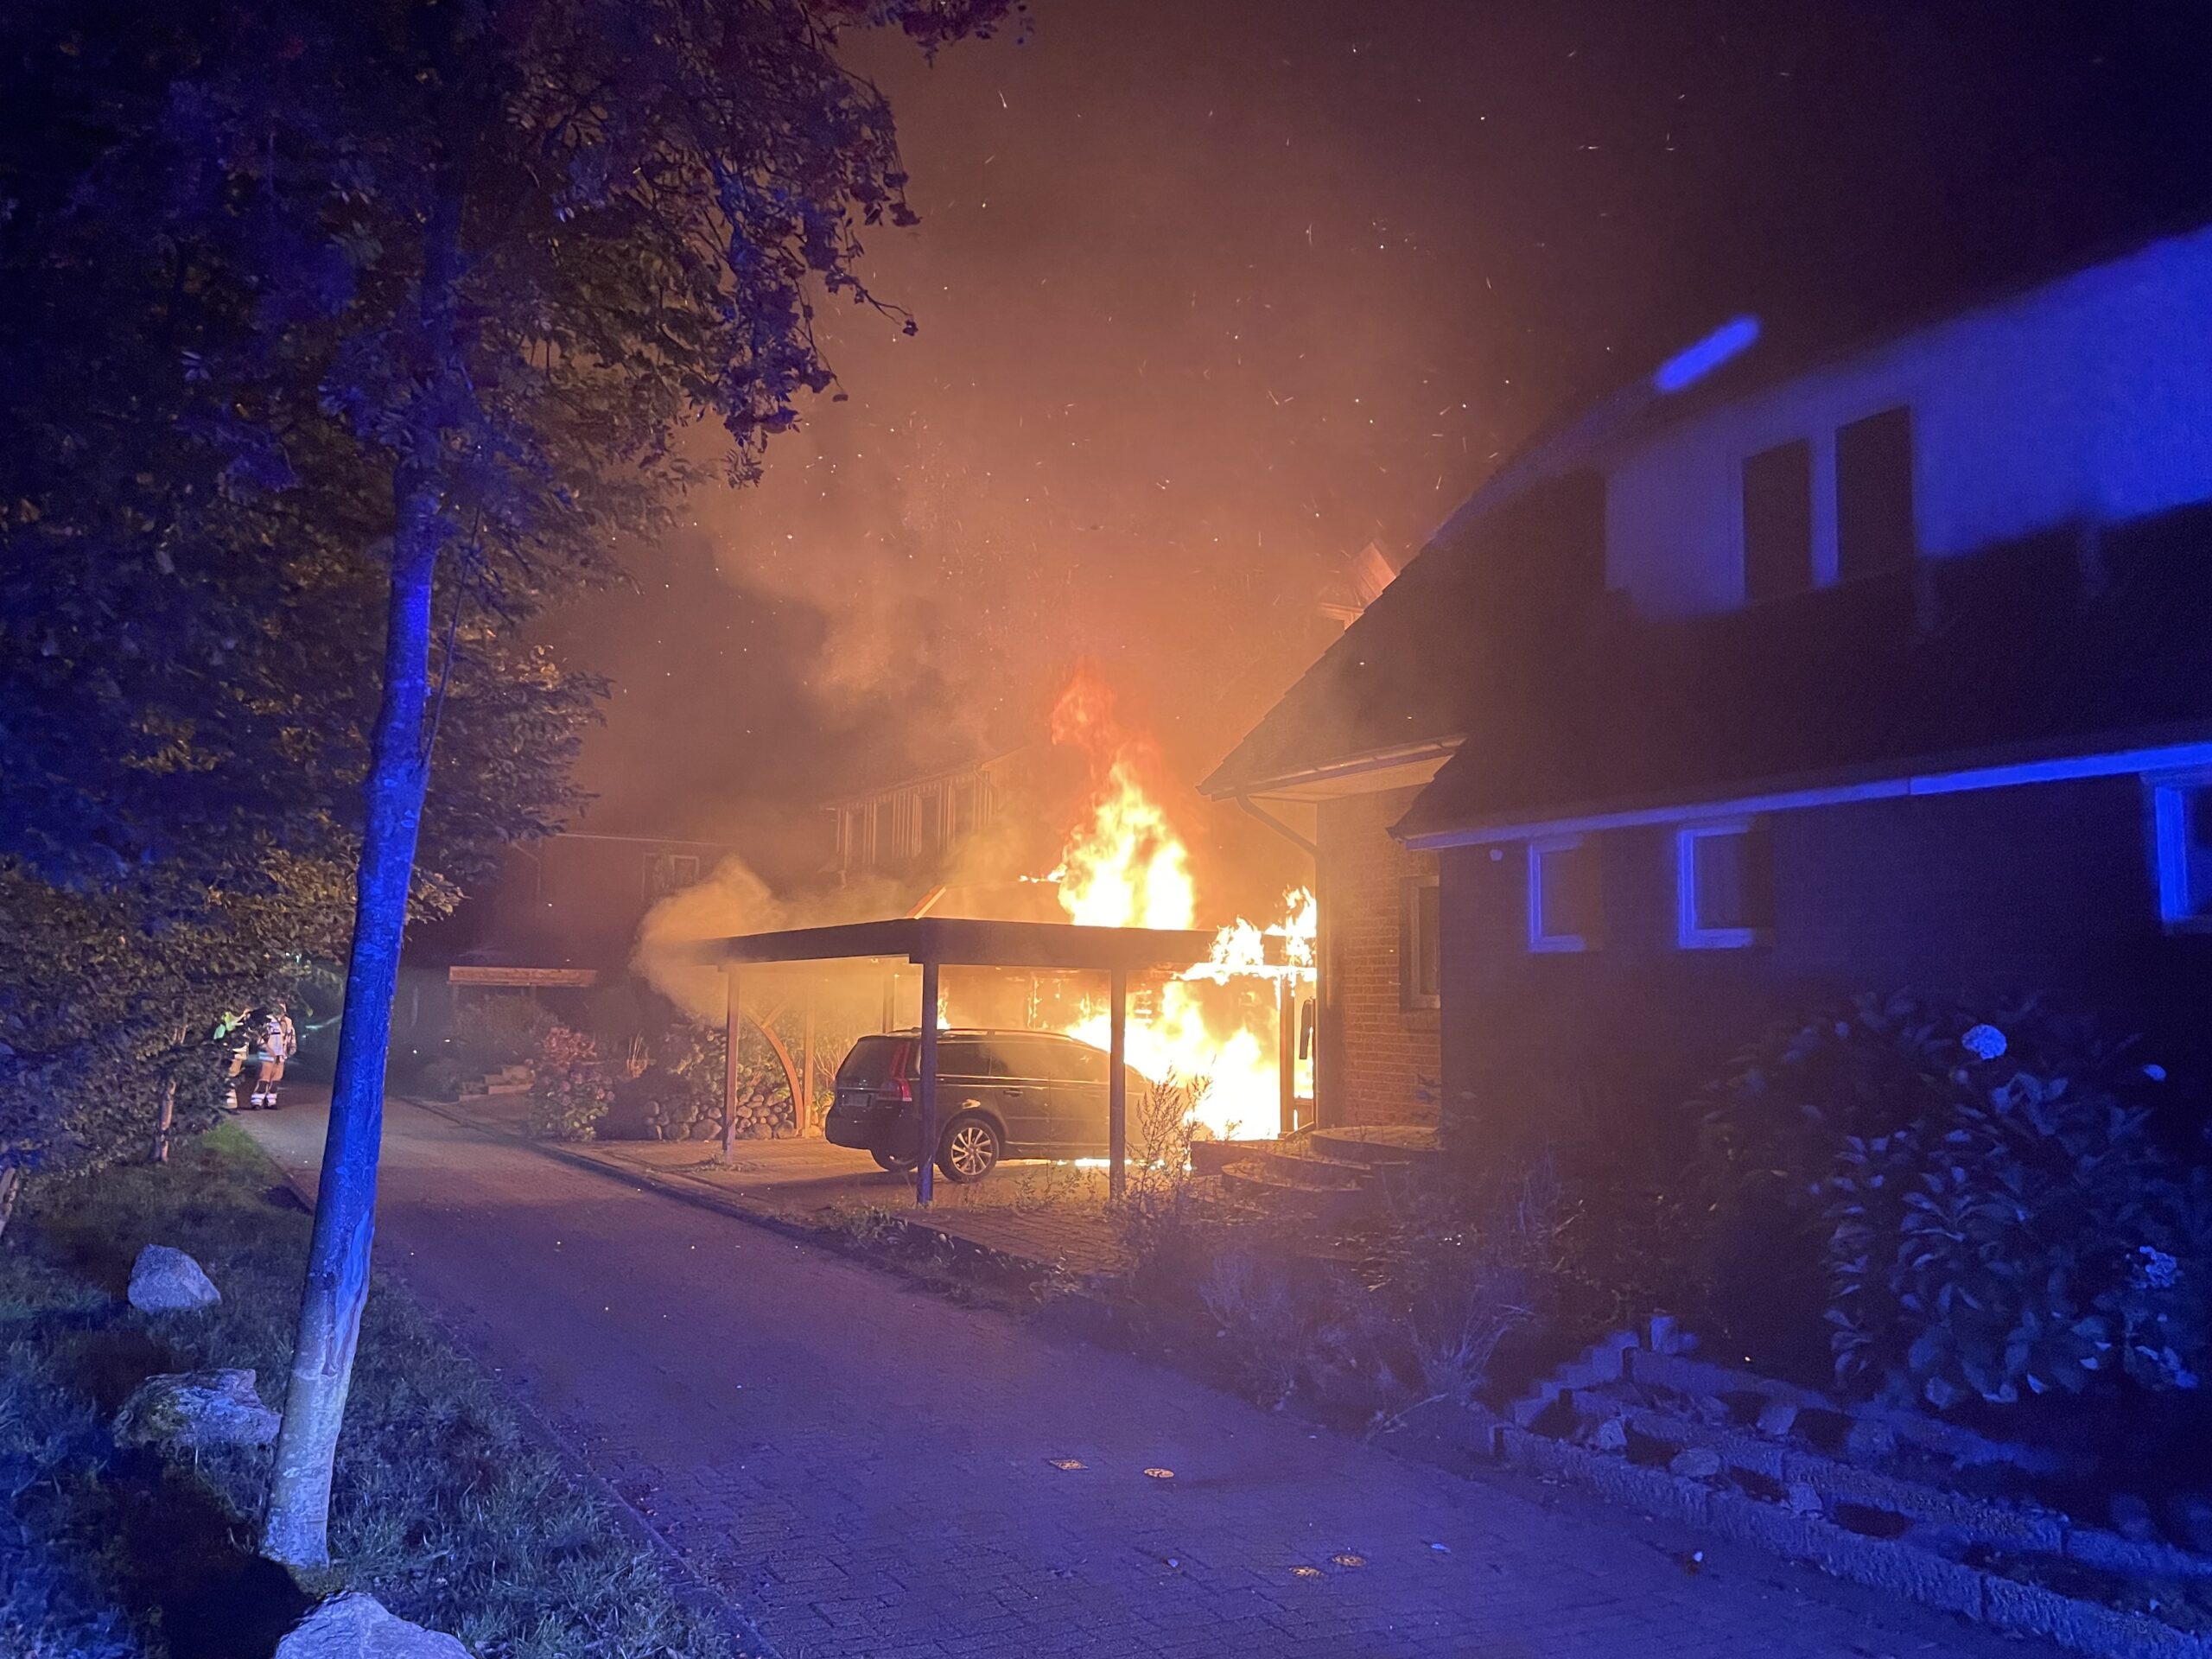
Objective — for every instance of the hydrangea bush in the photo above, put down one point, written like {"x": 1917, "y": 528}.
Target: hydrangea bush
{"x": 2032, "y": 1238}
{"x": 570, "y": 1090}
{"x": 1991, "y": 1207}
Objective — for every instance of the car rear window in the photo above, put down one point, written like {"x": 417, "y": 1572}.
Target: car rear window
{"x": 870, "y": 1063}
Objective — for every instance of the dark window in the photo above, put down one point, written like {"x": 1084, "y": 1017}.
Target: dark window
{"x": 667, "y": 872}
{"x": 1727, "y": 885}
{"x": 2200, "y": 851}
{"x": 958, "y": 1058}
{"x": 1778, "y": 521}
{"x": 1420, "y": 952}
{"x": 873, "y": 1061}
{"x": 1564, "y": 903}
{"x": 1081, "y": 1062}
{"x": 964, "y": 808}
{"x": 2184, "y": 825}
{"x": 932, "y": 821}
{"x": 1873, "y": 495}
{"x": 1032, "y": 1057}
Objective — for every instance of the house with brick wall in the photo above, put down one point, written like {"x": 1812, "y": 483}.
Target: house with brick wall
{"x": 1768, "y": 678}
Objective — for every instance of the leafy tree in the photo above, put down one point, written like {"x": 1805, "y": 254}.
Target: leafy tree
{"x": 191, "y": 606}
{"x": 510, "y": 249}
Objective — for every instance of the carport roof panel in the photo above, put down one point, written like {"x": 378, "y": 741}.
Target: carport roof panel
{"x": 962, "y": 942}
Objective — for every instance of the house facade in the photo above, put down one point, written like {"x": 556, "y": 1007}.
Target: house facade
{"x": 916, "y": 825}
{"x": 575, "y": 899}
{"x": 1762, "y": 682}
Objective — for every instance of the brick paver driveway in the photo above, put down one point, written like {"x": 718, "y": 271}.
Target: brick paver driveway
{"x": 869, "y": 1471}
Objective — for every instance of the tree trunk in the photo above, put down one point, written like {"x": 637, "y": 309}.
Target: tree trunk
{"x": 167, "y": 1117}
{"x": 11, "y": 1188}
{"x": 297, "y": 1528}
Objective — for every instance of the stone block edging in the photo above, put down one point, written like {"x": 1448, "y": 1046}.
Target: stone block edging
{"x": 1879, "y": 1563}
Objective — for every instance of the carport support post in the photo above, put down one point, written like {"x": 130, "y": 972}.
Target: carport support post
{"x": 925, "y": 1168}
{"x": 730, "y": 1021}
{"x": 1117, "y": 1084}
{"x": 806, "y": 1069}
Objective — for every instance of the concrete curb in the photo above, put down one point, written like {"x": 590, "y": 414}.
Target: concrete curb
{"x": 684, "y": 1581}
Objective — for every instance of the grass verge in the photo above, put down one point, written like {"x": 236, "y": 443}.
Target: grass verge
{"x": 446, "y": 1508}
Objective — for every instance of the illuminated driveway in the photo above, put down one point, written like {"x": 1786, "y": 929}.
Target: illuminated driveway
{"x": 870, "y": 1471}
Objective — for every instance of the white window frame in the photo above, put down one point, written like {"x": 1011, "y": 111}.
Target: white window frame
{"x": 2170, "y": 827}
{"x": 1539, "y": 939}
{"x": 1688, "y": 934}
{"x": 667, "y": 874}
{"x": 1411, "y": 1000}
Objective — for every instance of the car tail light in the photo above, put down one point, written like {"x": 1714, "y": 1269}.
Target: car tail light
{"x": 898, "y": 1086}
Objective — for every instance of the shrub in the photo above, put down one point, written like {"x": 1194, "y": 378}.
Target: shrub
{"x": 494, "y": 1030}
{"x": 441, "y": 1076}
{"x": 1461, "y": 1267}
{"x": 1977, "y": 1203}
{"x": 2029, "y": 1237}
{"x": 570, "y": 1091}
{"x": 1294, "y": 1326}
{"x": 1768, "y": 1143}
{"x": 1169, "y": 1228}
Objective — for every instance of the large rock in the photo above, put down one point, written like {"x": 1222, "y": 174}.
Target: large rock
{"x": 357, "y": 1627}
{"x": 163, "y": 1280}
{"x": 195, "y": 1408}
{"x": 1697, "y": 1462}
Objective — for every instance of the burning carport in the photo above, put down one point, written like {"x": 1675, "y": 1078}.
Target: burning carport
{"x": 934, "y": 943}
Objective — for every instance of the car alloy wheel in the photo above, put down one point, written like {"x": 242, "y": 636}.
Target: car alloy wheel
{"x": 971, "y": 1148}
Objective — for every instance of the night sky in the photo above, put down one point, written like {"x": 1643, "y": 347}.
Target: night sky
{"x": 1213, "y": 292}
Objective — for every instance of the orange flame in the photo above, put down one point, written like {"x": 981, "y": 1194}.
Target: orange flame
{"x": 1125, "y": 864}
{"x": 1125, "y": 867}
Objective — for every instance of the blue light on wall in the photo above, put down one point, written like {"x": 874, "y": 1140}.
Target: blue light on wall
{"x": 1687, "y": 367}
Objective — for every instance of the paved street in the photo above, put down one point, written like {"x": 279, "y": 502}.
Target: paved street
{"x": 870, "y": 1471}
{"x": 1039, "y": 1211}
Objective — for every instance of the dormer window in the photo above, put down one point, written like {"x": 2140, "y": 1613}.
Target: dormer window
{"x": 1778, "y": 521}
{"x": 1873, "y": 495}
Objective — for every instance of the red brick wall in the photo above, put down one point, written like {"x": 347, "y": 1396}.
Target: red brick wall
{"x": 1378, "y": 1058}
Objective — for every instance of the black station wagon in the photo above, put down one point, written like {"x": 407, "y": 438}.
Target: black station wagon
{"x": 1000, "y": 1094}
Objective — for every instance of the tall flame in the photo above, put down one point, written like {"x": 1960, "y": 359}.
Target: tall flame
{"x": 1125, "y": 864}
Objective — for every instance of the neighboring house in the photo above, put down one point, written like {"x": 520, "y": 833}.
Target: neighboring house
{"x": 967, "y": 840}
{"x": 574, "y": 900}
{"x": 920, "y": 825}
{"x": 1763, "y": 681}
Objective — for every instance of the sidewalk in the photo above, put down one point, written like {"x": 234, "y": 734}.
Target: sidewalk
{"x": 1050, "y": 1214}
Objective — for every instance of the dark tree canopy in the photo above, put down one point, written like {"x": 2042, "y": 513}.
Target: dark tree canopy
{"x": 407, "y": 302}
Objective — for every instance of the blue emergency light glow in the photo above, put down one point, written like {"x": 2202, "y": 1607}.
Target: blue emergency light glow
{"x": 1687, "y": 367}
